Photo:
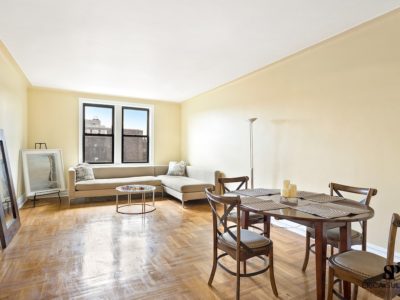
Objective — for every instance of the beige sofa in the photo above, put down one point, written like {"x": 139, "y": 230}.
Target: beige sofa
{"x": 184, "y": 188}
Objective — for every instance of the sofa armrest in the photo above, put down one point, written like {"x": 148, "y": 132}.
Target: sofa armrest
{"x": 71, "y": 182}
{"x": 218, "y": 187}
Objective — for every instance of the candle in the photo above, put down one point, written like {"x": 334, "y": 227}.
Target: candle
{"x": 292, "y": 190}
{"x": 285, "y": 193}
{"x": 286, "y": 184}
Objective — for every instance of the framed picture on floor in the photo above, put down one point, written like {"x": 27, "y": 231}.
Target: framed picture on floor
{"x": 9, "y": 215}
{"x": 43, "y": 171}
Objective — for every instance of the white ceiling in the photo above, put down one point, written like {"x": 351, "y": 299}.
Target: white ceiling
{"x": 166, "y": 49}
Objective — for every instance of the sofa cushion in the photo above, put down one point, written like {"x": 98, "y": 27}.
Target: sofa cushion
{"x": 177, "y": 168}
{"x": 112, "y": 183}
{"x": 84, "y": 172}
{"x": 160, "y": 170}
{"x": 184, "y": 184}
{"x": 121, "y": 172}
{"x": 251, "y": 239}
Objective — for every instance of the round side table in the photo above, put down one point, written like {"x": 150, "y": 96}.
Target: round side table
{"x": 135, "y": 189}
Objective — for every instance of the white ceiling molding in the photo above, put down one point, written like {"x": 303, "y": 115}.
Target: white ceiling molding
{"x": 166, "y": 49}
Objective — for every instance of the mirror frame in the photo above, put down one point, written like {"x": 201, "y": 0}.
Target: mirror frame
{"x": 7, "y": 233}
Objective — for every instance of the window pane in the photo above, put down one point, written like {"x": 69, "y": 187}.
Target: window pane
{"x": 135, "y": 149}
{"x": 135, "y": 121}
{"x": 98, "y": 120}
{"x": 98, "y": 149}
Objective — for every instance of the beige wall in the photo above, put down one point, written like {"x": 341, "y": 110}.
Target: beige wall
{"x": 13, "y": 112}
{"x": 329, "y": 113}
{"x": 53, "y": 118}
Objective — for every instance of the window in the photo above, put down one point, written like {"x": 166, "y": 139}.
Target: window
{"x": 135, "y": 138}
{"x": 98, "y": 137}
{"x": 112, "y": 133}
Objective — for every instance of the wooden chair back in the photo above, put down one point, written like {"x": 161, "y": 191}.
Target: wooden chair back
{"x": 338, "y": 188}
{"x": 392, "y": 238}
{"x": 242, "y": 182}
{"x": 220, "y": 217}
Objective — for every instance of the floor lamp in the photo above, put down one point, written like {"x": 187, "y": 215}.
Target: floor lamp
{"x": 251, "y": 121}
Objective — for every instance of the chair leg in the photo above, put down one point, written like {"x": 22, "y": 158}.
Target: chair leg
{"x": 330, "y": 283}
{"x": 244, "y": 267}
{"x": 307, "y": 255}
{"x": 355, "y": 292}
{"x": 214, "y": 267}
{"x": 332, "y": 250}
{"x": 237, "y": 279}
{"x": 271, "y": 272}
{"x": 388, "y": 291}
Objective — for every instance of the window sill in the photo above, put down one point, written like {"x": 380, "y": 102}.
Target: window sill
{"x": 122, "y": 165}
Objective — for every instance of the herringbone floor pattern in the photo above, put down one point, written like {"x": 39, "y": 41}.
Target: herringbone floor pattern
{"x": 91, "y": 252}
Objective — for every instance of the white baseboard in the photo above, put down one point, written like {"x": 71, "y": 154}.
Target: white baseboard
{"x": 291, "y": 226}
{"x": 21, "y": 200}
{"x": 301, "y": 230}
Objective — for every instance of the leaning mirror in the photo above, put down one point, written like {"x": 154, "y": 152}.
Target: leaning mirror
{"x": 9, "y": 215}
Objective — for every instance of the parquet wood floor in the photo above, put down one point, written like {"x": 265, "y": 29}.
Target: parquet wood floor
{"x": 91, "y": 252}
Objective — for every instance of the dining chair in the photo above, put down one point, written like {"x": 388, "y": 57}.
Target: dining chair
{"x": 333, "y": 234}
{"x": 239, "y": 183}
{"x": 367, "y": 270}
{"x": 239, "y": 244}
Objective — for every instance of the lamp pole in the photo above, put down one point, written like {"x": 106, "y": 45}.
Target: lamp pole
{"x": 251, "y": 121}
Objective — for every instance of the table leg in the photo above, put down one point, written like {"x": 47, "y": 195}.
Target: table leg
{"x": 153, "y": 200}
{"x": 143, "y": 202}
{"x": 116, "y": 203}
{"x": 320, "y": 258}
{"x": 244, "y": 220}
{"x": 267, "y": 226}
{"x": 345, "y": 245}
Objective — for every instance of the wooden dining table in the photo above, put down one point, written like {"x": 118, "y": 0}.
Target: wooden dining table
{"x": 320, "y": 225}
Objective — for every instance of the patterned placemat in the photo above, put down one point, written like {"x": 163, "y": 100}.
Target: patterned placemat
{"x": 251, "y": 200}
{"x": 323, "y": 198}
{"x": 305, "y": 195}
{"x": 350, "y": 209}
{"x": 323, "y": 211}
{"x": 304, "y": 202}
{"x": 265, "y": 205}
{"x": 257, "y": 192}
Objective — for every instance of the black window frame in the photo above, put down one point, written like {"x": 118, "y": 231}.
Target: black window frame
{"x": 84, "y": 134}
{"x": 147, "y": 136}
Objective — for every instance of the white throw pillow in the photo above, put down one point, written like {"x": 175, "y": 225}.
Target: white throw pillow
{"x": 84, "y": 172}
{"x": 177, "y": 168}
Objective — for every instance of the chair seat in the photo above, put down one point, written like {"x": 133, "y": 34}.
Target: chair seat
{"x": 253, "y": 217}
{"x": 360, "y": 263}
{"x": 333, "y": 236}
{"x": 249, "y": 238}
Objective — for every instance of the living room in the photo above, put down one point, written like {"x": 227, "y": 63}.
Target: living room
{"x": 306, "y": 92}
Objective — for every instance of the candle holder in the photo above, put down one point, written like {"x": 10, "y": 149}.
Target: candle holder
{"x": 291, "y": 201}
